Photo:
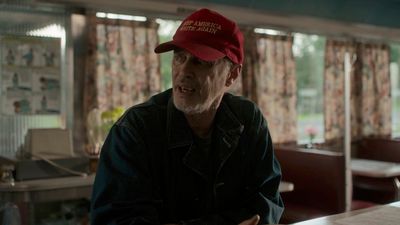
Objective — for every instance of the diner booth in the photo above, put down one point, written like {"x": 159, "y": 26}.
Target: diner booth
{"x": 325, "y": 74}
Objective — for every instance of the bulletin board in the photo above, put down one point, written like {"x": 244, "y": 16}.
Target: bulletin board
{"x": 30, "y": 75}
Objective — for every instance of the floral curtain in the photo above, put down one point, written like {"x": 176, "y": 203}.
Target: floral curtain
{"x": 334, "y": 88}
{"x": 251, "y": 65}
{"x": 371, "y": 97}
{"x": 122, "y": 69}
{"x": 370, "y": 90}
{"x": 269, "y": 79}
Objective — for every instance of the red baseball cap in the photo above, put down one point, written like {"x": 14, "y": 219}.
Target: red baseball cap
{"x": 207, "y": 35}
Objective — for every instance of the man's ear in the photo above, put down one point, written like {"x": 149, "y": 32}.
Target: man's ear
{"x": 233, "y": 74}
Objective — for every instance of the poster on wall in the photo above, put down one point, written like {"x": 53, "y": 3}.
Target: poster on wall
{"x": 30, "y": 75}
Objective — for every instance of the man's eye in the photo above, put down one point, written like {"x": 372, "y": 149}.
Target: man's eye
{"x": 180, "y": 58}
{"x": 202, "y": 62}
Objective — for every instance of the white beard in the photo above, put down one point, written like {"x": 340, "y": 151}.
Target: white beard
{"x": 192, "y": 109}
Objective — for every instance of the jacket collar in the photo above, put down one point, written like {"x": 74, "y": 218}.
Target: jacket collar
{"x": 228, "y": 130}
{"x": 179, "y": 132}
{"x": 226, "y": 134}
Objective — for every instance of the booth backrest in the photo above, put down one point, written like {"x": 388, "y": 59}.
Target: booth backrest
{"x": 319, "y": 180}
{"x": 379, "y": 149}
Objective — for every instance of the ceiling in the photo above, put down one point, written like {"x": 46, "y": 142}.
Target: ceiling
{"x": 372, "y": 19}
{"x": 15, "y": 19}
{"x": 384, "y": 13}
{"x": 380, "y": 18}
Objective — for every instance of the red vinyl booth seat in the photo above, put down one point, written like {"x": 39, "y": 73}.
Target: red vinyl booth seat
{"x": 319, "y": 183}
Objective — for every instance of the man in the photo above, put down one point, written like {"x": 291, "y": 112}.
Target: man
{"x": 193, "y": 154}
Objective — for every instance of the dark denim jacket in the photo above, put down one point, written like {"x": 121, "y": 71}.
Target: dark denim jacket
{"x": 150, "y": 172}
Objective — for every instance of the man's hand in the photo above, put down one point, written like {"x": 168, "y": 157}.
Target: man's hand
{"x": 252, "y": 221}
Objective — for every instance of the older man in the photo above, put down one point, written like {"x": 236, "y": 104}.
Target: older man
{"x": 193, "y": 154}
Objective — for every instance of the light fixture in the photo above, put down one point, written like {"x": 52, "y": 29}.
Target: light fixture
{"x": 120, "y": 16}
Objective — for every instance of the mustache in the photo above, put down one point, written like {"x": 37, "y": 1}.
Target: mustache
{"x": 185, "y": 83}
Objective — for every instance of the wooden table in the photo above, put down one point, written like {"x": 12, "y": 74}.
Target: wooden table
{"x": 46, "y": 190}
{"x": 373, "y": 168}
{"x": 65, "y": 188}
{"x": 59, "y": 189}
{"x": 376, "y": 181}
{"x": 285, "y": 186}
{"x": 27, "y": 193}
{"x": 338, "y": 218}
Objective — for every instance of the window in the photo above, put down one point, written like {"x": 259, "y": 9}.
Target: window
{"x": 25, "y": 34}
{"x": 165, "y": 32}
{"x": 395, "y": 83}
{"x": 309, "y": 51}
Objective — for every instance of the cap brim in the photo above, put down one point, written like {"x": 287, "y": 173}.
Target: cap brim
{"x": 203, "y": 52}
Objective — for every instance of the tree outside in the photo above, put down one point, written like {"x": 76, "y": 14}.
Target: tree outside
{"x": 309, "y": 51}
